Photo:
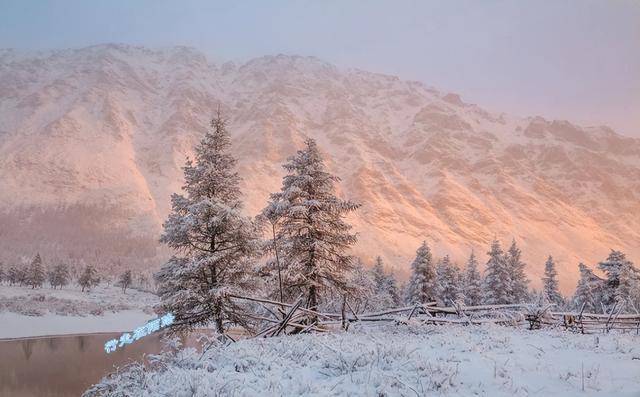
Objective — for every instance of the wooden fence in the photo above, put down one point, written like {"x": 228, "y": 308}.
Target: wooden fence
{"x": 284, "y": 318}
{"x": 294, "y": 318}
{"x": 586, "y": 323}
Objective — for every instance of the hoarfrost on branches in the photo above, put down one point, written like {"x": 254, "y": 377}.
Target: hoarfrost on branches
{"x": 215, "y": 242}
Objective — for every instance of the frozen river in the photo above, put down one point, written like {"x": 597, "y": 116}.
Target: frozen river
{"x": 63, "y": 365}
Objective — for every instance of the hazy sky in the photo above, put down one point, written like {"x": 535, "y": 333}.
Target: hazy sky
{"x": 576, "y": 60}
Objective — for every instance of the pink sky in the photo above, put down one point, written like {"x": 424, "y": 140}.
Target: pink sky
{"x": 577, "y": 60}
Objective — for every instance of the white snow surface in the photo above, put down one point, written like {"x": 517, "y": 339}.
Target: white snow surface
{"x": 26, "y": 312}
{"x": 401, "y": 360}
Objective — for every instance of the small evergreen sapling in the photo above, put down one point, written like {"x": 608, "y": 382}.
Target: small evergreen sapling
{"x": 589, "y": 291}
{"x": 447, "y": 282}
{"x": 12, "y": 275}
{"x": 393, "y": 289}
{"x": 125, "y": 280}
{"x": 497, "y": 279}
{"x": 363, "y": 288}
{"x": 36, "y": 274}
{"x": 472, "y": 282}
{"x": 518, "y": 282}
{"x": 59, "y": 276}
{"x": 422, "y": 283}
{"x": 550, "y": 283}
{"x": 89, "y": 278}
{"x": 22, "y": 276}
{"x": 386, "y": 293}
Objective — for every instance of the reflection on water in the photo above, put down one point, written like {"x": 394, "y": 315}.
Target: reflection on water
{"x": 64, "y": 365}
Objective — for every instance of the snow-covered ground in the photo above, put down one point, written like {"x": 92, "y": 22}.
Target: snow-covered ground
{"x": 401, "y": 360}
{"x": 35, "y": 312}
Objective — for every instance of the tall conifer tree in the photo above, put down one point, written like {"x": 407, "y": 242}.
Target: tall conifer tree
{"x": 214, "y": 241}
{"x": 59, "y": 276}
{"x": 518, "y": 279}
{"x": 472, "y": 282}
{"x": 422, "y": 284}
{"x": 313, "y": 237}
{"x": 447, "y": 282}
{"x": 616, "y": 268}
{"x": 88, "y": 278}
{"x": 36, "y": 274}
{"x": 497, "y": 280}
{"x": 550, "y": 282}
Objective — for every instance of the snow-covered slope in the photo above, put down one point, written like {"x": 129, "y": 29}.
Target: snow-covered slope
{"x": 92, "y": 141}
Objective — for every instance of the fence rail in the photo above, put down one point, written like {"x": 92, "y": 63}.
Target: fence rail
{"x": 281, "y": 317}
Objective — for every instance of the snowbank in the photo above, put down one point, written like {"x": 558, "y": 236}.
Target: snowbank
{"x": 400, "y": 360}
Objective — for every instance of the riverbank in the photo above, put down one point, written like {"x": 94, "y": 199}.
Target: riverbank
{"x": 20, "y": 326}
{"x": 26, "y": 312}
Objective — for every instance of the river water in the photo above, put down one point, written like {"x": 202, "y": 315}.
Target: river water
{"x": 64, "y": 365}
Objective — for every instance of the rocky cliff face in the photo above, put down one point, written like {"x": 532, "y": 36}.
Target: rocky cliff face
{"x": 92, "y": 142}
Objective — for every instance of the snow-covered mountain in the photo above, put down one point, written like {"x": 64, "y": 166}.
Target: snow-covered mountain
{"x": 92, "y": 142}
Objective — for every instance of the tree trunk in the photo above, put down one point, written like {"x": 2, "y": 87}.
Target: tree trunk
{"x": 218, "y": 318}
{"x": 313, "y": 302}
{"x": 275, "y": 248}
{"x": 214, "y": 283}
{"x": 345, "y": 323}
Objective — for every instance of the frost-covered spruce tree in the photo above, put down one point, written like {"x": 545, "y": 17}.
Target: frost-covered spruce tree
{"x": 59, "y": 276}
{"x": 519, "y": 282}
{"x": 497, "y": 280}
{"x": 313, "y": 237}
{"x": 628, "y": 291}
{"x": 51, "y": 278}
{"x": 472, "y": 282}
{"x": 615, "y": 266}
{"x": 22, "y": 276}
{"x": 214, "y": 241}
{"x": 12, "y": 275}
{"x": 379, "y": 275}
{"x": 589, "y": 291}
{"x": 393, "y": 289}
{"x": 384, "y": 287}
{"x": 363, "y": 288}
{"x": 36, "y": 274}
{"x": 89, "y": 278}
{"x": 422, "y": 283}
{"x": 447, "y": 282}
{"x": 271, "y": 216}
{"x": 125, "y": 280}
{"x": 62, "y": 275}
{"x": 550, "y": 283}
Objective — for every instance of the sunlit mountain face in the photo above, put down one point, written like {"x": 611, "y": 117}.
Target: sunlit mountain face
{"x": 92, "y": 142}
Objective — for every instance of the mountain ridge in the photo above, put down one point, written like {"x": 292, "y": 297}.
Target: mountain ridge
{"x": 109, "y": 127}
